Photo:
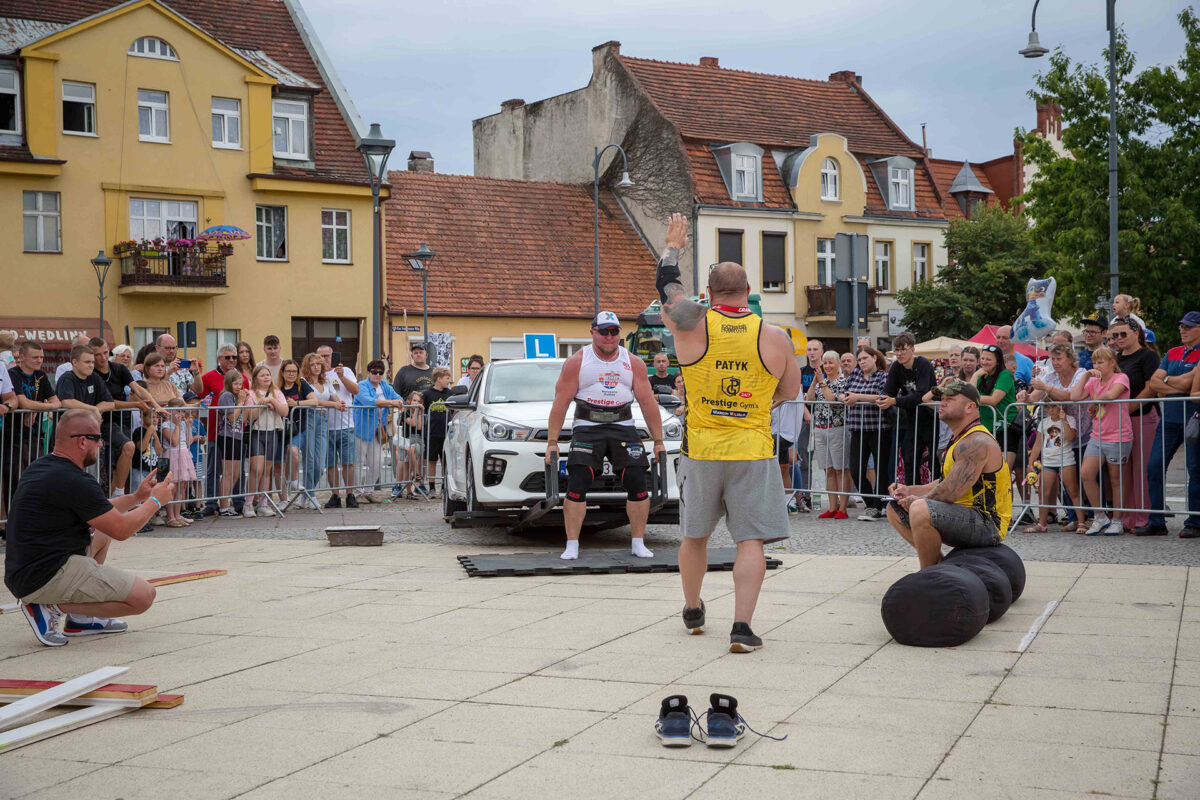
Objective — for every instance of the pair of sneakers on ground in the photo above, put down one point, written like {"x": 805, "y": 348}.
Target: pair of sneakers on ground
{"x": 741, "y": 638}
{"x": 51, "y": 625}
{"x": 723, "y": 725}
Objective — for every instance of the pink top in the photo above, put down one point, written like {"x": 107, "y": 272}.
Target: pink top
{"x": 1111, "y": 417}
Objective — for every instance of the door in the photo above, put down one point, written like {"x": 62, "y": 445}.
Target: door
{"x": 309, "y": 333}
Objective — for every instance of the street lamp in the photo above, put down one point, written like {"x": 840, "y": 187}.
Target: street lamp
{"x": 419, "y": 261}
{"x": 624, "y": 183}
{"x": 375, "y": 151}
{"x": 100, "y": 264}
{"x": 1034, "y": 49}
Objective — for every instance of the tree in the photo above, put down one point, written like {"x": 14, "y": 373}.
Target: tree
{"x": 1158, "y": 129}
{"x": 992, "y": 255}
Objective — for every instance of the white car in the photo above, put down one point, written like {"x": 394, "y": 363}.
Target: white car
{"x": 496, "y": 446}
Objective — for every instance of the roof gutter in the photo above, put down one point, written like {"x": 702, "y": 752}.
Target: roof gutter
{"x": 637, "y": 228}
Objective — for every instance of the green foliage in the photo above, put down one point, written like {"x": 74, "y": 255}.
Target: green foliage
{"x": 992, "y": 255}
{"x": 1158, "y": 130}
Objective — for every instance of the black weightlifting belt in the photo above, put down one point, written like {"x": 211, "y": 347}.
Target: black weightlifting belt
{"x": 592, "y": 413}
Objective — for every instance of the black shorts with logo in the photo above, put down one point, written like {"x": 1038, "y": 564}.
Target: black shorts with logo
{"x": 620, "y": 444}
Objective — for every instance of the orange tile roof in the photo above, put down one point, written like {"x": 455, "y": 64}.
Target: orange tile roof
{"x": 709, "y": 186}
{"x": 511, "y": 248}
{"x": 944, "y": 172}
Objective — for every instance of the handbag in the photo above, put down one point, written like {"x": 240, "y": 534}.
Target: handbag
{"x": 1191, "y": 433}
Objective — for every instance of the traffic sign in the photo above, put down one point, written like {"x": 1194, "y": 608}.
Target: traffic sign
{"x": 541, "y": 345}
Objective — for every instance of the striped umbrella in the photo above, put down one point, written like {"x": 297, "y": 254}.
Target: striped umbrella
{"x": 223, "y": 233}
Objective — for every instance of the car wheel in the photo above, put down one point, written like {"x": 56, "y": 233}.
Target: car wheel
{"x": 451, "y": 507}
{"x": 472, "y": 503}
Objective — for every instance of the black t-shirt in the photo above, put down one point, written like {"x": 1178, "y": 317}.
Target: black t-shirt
{"x": 1139, "y": 366}
{"x": 48, "y": 522}
{"x": 116, "y": 379}
{"x": 435, "y": 411}
{"x": 299, "y": 391}
{"x": 662, "y": 385}
{"x": 807, "y": 376}
{"x": 91, "y": 390}
{"x": 412, "y": 379}
{"x": 908, "y": 386}
{"x": 32, "y": 387}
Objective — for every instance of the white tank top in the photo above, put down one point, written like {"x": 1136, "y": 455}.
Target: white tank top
{"x": 608, "y": 384}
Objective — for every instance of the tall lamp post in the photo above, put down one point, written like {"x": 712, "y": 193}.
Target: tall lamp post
{"x": 419, "y": 261}
{"x": 1034, "y": 49}
{"x": 375, "y": 151}
{"x": 624, "y": 183}
{"x": 100, "y": 264}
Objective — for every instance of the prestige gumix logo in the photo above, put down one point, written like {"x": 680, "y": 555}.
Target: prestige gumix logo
{"x": 730, "y": 387}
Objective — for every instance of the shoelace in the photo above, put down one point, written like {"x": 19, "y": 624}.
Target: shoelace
{"x": 740, "y": 718}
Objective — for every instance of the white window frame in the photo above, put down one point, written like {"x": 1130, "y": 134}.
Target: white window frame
{"x": 231, "y": 120}
{"x": 38, "y": 216}
{"x": 900, "y": 180}
{"x": 920, "y": 274}
{"x": 745, "y": 176}
{"x": 569, "y": 347}
{"x": 15, "y": 91}
{"x": 883, "y": 266}
{"x": 215, "y": 337}
{"x": 261, "y": 226}
{"x": 825, "y": 261}
{"x": 90, "y": 102}
{"x": 517, "y": 346}
{"x": 144, "y": 336}
{"x": 830, "y": 180}
{"x": 152, "y": 105}
{"x": 186, "y": 212}
{"x": 287, "y": 118}
{"x": 152, "y": 47}
{"x": 335, "y": 227}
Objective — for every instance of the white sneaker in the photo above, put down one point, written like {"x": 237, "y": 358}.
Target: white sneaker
{"x": 1099, "y": 525}
{"x": 248, "y": 511}
{"x": 265, "y": 510}
{"x": 857, "y": 500}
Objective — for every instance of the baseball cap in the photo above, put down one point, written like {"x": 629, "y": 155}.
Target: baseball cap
{"x": 952, "y": 387}
{"x": 417, "y": 346}
{"x": 606, "y": 319}
{"x": 1097, "y": 318}
{"x": 1191, "y": 319}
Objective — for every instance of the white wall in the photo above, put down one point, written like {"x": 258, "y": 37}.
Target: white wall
{"x": 778, "y": 306}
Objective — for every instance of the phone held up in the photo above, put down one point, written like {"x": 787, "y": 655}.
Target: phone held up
{"x": 162, "y": 469}
{"x": 335, "y": 360}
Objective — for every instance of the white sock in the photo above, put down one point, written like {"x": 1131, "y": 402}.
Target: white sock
{"x": 572, "y": 550}
{"x": 639, "y": 549}
{"x": 118, "y": 492}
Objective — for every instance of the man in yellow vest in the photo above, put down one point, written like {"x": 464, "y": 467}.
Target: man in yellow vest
{"x": 735, "y": 369}
{"x": 971, "y": 506}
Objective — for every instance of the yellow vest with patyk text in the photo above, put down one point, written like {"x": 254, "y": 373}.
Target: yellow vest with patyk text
{"x": 992, "y": 492}
{"x": 729, "y": 391}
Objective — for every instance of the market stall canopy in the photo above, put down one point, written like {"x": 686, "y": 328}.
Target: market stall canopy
{"x": 939, "y": 347}
{"x": 987, "y": 335}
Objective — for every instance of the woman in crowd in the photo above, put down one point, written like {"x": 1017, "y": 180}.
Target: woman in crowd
{"x": 293, "y": 389}
{"x": 231, "y": 424}
{"x": 245, "y": 359}
{"x": 996, "y": 391}
{"x": 870, "y": 428}
{"x": 372, "y": 406}
{"x": 162, "y": 390}
{"x": 1130, "y": 308}
{"x": 1111, "y": 440}
{"x": 828, "y": 418}
{"x": 1138, "y": 363}
{"x": 139, "y": 361}
{"x": 176, "y": 431}
{"x": 266, "y": 408}
{"x": 968, "y": 363}
{"x": 313, "y": 438}
{"x": 681, "y": 393}
{"x": 1055, "y": 384}
{"x": 1055, "y": 448}
{"x": 123, "y": 354}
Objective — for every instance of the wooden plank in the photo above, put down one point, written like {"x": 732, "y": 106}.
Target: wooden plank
{"x": 166, "y": 701}
{"x": 137, "y": 691}
{"x": 116, "y": 702}
{"x": 34, "y": 704}
{"x": 36, "y": 731}
{"x": 187, "y": 576}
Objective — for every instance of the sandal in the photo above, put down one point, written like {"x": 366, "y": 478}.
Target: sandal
{"x": 176, "y": 523}
{"x": 1082, "y": 527}
{"x": 1069, "y": 525}
{"x": 1035, "y": 528}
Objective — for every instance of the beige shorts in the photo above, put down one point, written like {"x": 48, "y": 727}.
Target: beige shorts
{"x": 748, "y": 494}
{"x": 82, "y": 580}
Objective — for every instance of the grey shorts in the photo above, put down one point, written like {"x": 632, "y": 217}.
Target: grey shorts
{"x": 82, "y": 580}
{"x": 959, "y": 526}
{"x": 1113, "y": 452}
{"x": 829, "y": 447}
{"x": 748, "y": 494}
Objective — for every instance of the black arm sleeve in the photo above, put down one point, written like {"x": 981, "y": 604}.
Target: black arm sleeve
{"x": 668, "y": 273}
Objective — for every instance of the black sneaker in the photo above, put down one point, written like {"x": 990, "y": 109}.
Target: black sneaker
{"x": 742, "y": 639}
{"x": 1150, "y": 530}
{"x": 351, "y": 500}
{"x": 333, "y": 502}
{"x": 726, "y": 726}
{"x": 693, "y": 619}
{"x": 674, "y": 724}
{"x": 147, "y": 528}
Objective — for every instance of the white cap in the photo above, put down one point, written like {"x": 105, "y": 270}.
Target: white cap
{"x": 606, "y": 319}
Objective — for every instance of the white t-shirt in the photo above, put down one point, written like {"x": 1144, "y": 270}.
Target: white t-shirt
{"x": 5, "y": 381}
{"x": 1056, "y": 451}
{"x": 1083, "y": 423}
{"x": 62, "y": 370}
{"x": 340, "y": 420}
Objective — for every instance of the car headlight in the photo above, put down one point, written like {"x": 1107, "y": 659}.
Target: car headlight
{"x": 673, "y": 430}
{"x": 498, "y": 430}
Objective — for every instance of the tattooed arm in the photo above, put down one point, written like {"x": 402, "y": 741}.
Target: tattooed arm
{"x": 680, "y": 312}
{"x": 970, "y": 457}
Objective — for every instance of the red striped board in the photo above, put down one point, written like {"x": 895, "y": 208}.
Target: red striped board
{"x": 144, "y": 695}
{"x": 187, "y": 576}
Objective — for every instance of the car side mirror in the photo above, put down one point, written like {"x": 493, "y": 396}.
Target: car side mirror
{"x": 458, "y": 402}
{"x": 669, "y": 401}
{"x": 458, "y": 390}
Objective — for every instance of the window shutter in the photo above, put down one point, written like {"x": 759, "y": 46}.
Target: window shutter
{"x": 774, "y": 266}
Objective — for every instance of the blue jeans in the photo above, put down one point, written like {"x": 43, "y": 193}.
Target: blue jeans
{"x": 313, "y": 446}
{"x": 1167, "y": 439}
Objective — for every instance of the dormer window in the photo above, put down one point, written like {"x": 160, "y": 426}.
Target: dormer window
{"x": 152, "y": 47}
{"x": 830, "y": 190}
{"x": 894, "y": 177}
{"x": 741, "y": 168}
{"x": 290, "y": 129}
{"x": 10, "y": 102}
{"x": 745, "y": 176}
{"x": 901, "y": 184}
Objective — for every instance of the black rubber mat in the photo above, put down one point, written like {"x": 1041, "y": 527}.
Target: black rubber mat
{"x": 591, "y": 562}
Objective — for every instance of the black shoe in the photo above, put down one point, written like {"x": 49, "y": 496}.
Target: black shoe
{"x": 351, "y": 500}
{"x": 742, "y": 639}
{"x": 147, "y": 528}
{"x": 211, "y": 511}
{"x": 334, "y": 501}
{"x": 1189, "y": 532}
{"x": 674, "y": 725}
{"x": 693, "y": 619}
{"x": 1150, "y": 530}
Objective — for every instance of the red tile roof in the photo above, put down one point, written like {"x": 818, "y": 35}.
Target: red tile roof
{"x": 510, "y": 248}
{"x": 252, "y": 24}
{"x": 709, "y": 186}
{"x": 944, "y": 173}
{"x": 928, "y": 206}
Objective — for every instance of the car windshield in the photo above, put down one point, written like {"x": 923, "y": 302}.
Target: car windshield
{"x": 650, "y": 341}
{"x": 523, "y": 382}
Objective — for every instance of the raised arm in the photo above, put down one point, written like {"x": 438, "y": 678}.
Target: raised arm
{"x": 680, "y": 312}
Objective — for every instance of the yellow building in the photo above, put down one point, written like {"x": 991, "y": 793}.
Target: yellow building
{"x": 150, "y": 122}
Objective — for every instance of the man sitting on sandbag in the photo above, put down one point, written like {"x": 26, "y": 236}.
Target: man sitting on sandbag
{"x": 972, "y": 504}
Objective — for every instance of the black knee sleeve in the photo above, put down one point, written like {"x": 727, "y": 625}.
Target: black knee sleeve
{"x": 634, "y": 481}
{"x": 579, "y": 478}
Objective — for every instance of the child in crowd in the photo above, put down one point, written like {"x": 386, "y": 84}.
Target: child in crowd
{"x": 1055, "y": 446}
{"x": 176, "y": 433}
{"x": 197, "y": 439}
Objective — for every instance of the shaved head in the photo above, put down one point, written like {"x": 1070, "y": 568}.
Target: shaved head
{"x": 75, "y": 421}
{"x": 728, "y": 279}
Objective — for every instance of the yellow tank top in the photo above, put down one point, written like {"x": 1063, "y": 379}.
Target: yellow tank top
{"x": 992, "y": 493}
{"x": 729, "y": 392}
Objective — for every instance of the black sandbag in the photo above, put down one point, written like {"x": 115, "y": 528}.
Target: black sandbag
{"x": 939, "y": 606}
{"x": 995, "y": 579}
{"x": 1002, "y": 556}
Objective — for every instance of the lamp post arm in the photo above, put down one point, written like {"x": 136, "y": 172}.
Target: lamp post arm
{"x": 1033, "y": 19}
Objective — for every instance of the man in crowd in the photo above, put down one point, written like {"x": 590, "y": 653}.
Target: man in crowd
{"x": 8, "y": 403}
{"x": 54, "y": 564}
{"x": 728, "y": 467}
{"x": 342, "y": 449}
{"x": 82, "y": 388}
{"x": 209, "y": 387}
{"x": 1174, "y": 379}
{"x": 119, "y": 380}
{"x": 1094, "y": 328}
{"x": 274, "y": 360}
{"x": 417, "y": 375}
{"x": 78, "y": 340}
{"x": 661, "y": 381}
{"x": 971, "y": 505}
{"x": 863, "y": 341}
{"x": 908, "y": 379}
{"x": 166, "y": 347}
{"x": 814, "y": 351}
{"x": 1024, "y": 363}
{"x": 22, "y": 437}
{"x": 474, "y": 367}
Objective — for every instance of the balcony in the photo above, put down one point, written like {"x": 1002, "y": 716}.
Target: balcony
{"x": 822, "y": 302}
{"x": 194, "y": 269}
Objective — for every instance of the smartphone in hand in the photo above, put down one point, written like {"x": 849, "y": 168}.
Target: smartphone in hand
{"x": 162, "y": 469}
{"x": 185, "y": 363}
{"x": 335, "y": 360}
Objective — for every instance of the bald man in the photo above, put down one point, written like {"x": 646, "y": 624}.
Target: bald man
{"x": 60, "y": 525}
{"x": 1024, "y": 363}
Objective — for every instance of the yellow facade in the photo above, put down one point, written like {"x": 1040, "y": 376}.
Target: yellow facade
{"x": 104, "y": 171}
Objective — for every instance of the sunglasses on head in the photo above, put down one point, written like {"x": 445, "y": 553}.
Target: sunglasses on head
{"x": 91, "y": 437}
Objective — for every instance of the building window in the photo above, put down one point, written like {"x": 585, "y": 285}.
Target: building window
{"x": 145, "y": 336}
{"x": 883, "y": 266}
{"x": 168, "y": 219}
{"x": 153, "y": 116}
{"x": 271, "y": 224}
{"x": 504, "y": 348}
{"x": 226, "y": 123}
{"x": 335, "y": 236}
{"x": 42, "y": 222}
{"x": 729, "y": 246}
{"x": 290, "y": 129}
{"x": 215, "y": 337}
{"x": 10, "y": 101}
{"x": 152, "y": 47}
{"x": 825, "y": 262}
{"x": 745, "y": 176}
{"x": 569, "y": 347}
{"x": 774, "y": 262}
{"x": 79, "y": 107}
{"x": 829, "y": 180}
{"x": 901, "y": 181}
{"x": 920, "y": 261}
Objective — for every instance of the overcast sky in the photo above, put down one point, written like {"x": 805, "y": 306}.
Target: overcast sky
{"x": 426, "y": 70}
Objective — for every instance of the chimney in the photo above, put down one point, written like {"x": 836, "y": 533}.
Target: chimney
{"x": 601, "y": 50}
{"x": 510, "y": 105}
{"x": 709, "y": 61}
{"x": 1049, "y": 120}
{"x": 845, "y": 76}
{"x": 420, "y": 161}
